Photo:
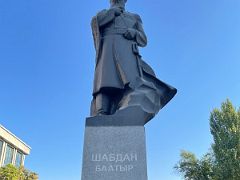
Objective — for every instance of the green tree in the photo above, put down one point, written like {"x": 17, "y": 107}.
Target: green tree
{"x": 225, "y": 128}
{"x": 28, "y": 175}
{"x": 11, "y": 172}
{"x": 194, "y": 169}
{"x": 223, "y": 160}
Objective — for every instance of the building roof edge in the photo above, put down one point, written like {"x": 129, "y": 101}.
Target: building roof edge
{"x": 1, "y": 126}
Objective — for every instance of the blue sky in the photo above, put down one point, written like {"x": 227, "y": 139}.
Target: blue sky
{"x": 46, "y": 72}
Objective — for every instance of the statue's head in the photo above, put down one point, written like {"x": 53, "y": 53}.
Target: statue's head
{"x": 118, "y": 3}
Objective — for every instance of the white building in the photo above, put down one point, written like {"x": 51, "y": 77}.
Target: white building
{"x": 12, "y": 149}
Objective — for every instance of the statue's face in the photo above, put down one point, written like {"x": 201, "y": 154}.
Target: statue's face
{"x": 118, "y": 3}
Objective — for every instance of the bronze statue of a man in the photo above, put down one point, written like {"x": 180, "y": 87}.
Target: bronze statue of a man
{"x": 122, "y": 79}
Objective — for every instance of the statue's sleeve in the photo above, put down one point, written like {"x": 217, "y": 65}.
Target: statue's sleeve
{"x": 141, "y": 37}
{"x": 95, "y": 32}
{"x": 96, "y": 36}
{"x": 104, "y": 17}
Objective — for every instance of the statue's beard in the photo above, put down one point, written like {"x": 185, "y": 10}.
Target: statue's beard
{"x": 119, "y": 5}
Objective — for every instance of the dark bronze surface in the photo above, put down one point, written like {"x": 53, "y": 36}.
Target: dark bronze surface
{"x": 123, "y": 82}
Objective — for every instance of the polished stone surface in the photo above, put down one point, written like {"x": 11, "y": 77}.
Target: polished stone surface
{"x": 114, "y": 153}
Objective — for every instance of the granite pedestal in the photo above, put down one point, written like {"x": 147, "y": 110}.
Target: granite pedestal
{"x": 114, "y": 149}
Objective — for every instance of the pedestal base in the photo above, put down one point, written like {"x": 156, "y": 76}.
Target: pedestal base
{"x": 114, "y": 152}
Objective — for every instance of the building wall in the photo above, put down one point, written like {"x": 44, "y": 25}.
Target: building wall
{"x": 12, "y": 149}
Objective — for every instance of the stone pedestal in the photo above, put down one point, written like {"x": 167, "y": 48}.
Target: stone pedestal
{"x": 114, "y": 150}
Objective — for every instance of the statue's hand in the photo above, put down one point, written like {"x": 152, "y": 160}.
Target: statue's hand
{"x": 130, "y": 34}
{"x": 116, "y": 11}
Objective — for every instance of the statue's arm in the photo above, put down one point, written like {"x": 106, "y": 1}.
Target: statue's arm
{"x": 141, "y": 37}
{"x": 95, "y": 31}
{"x": 104, "y": 17}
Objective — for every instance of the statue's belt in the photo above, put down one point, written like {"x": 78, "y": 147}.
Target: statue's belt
{"x": 114, "y": 31}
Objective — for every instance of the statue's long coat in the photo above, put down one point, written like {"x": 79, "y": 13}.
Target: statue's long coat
{"x": 116, "y": 59}
{"x": 118, "y": 62}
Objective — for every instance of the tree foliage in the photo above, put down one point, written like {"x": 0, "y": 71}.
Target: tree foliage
{"x": 11, "y": 172}
{"x": 223, "y": 160}
{"x": 225, "y": 128}
{"x": 194, "y": 169}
